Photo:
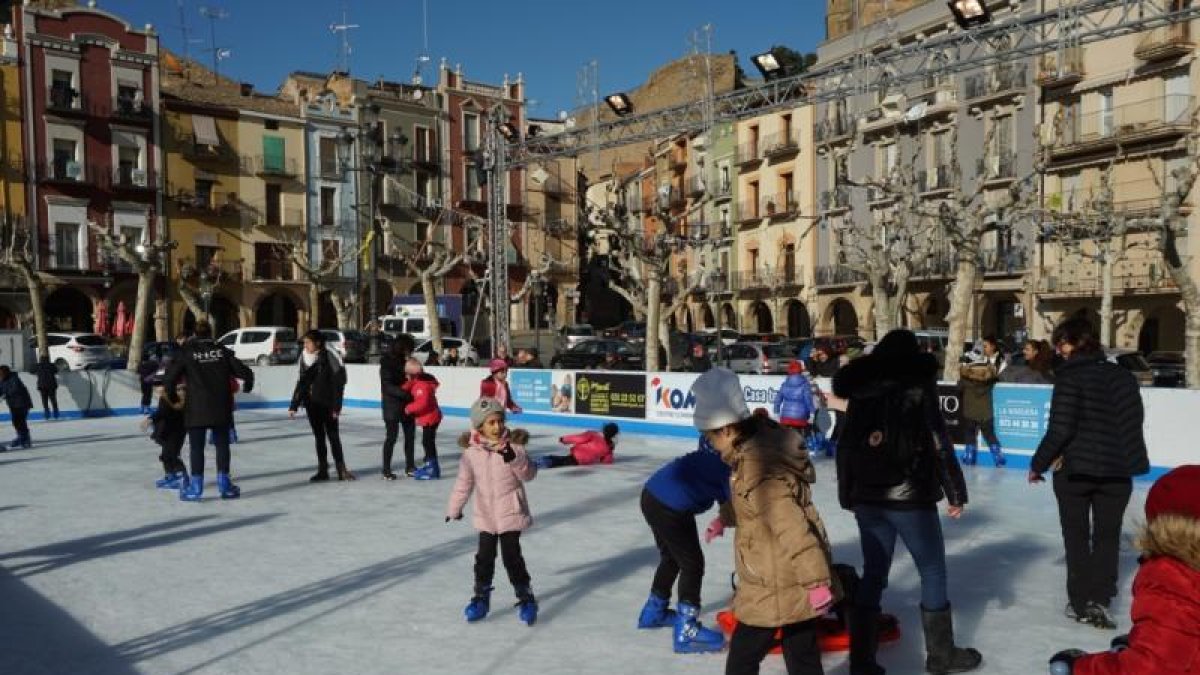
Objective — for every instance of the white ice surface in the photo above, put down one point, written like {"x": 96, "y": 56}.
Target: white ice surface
{"x": 102, "y": 574}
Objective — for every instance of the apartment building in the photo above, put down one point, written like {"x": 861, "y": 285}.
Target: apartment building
{"x": 15, "y": 309}
{"x": 714, "y": 182}
{"x": 553, "y": 192}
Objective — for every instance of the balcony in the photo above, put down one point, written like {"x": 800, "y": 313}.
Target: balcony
{"x": 1061, "y": 70}
{"x": 131, "y": 111}
{"x": 934, "y": 181}
{"x": 720, "y": 189}
{"x": 1086, "y": 281}
{"x": 203, "y": 153}
{"x": 1155, "y": 119}
{"x": 838, "y": 275}
{"x": 229, "y": 270}
{"x": 834, "y": 129}
{"x": 343, "y": 221}
{"x": 998, "y": 83}
{"x": 837, "y": 199}
{"x": 64, "y": 101}
{"x": 273, "y": 269}
{"x": 747, "y": 154}
{"x": 129, "y": 178}
{"x": 426, "y": 157}
{"x": 997, "y": 167}
{"x": 754, "y": 280}
{"x": 696, "y": 186}
{"x": 677, "y": 160}
{"x": 781, "y": 205}
{"x": 781, "y": 145}
{"x": 215, "y": 204}
{"x": 288, "y": 218}
{"x": 670, "y": 198}
{"x": 1164, "y": 44}
{"x": 1004, "y": 261}
{"x": 698, "y": 230}
{"x": 748, "y": 213}
{"x": 66, "y": 173}
{"x": 270, "y": 167}
{"x": 941, "y": 265}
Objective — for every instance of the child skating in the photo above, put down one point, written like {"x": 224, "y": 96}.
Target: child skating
{"x": 426, "y": 413}
{"x": 168, "y": 430}
{"x": 589, "y": 447}
{"x": 493, "y": 469}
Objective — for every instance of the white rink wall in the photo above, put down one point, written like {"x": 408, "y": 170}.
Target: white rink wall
{"x": 652, "y": 403}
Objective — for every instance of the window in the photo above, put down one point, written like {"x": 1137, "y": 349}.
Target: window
{"x": 423, "y": 150}
{"x": 470, "y": 132}
{"x": 422, "y": 231}
{"x": 274, "y": 204}
{"x": 1170, "y": 183}
{"x": 753, "y": 199}
{"x": 66, "y": 240}
{"x": 328, "y": 199}
{"x": 939, "y": 151}
{"x": 271, "y": 125}
{"x": 204, "y": 193}
{"x": 328, "y": 148}
{"x": 273, "y": 154}
{"x": 128, "y": 160}
{"x": 725, "y": 182}
{"x": 65, "y": 165}
{"x": 425, "y": 186}
{"x": 887, "y": 160}
{"x": 1106, "y": 112}
{"x": 228, "y": 340}
{"x": 754, "y": 260}
{"x": 471, "y": 182}
{"x": 128, "y": 98}
{"x": 787, "y": 184}
{"x": 62, "y": 90}
{"x": 753, "y": 142}
{"x": 255, "y": 336}
{"x": 416, "y": 326}
{"x": 1070, "y": 191}
{"x": 785, "y": 125}
{"x": 1178, "y": 97}
{"x": 330, "y": 250}
{"x": 789, "y": 262}
{"x": 133, "y": 234}
{"x": 724, "y": 222}
{"x": 205, "y": 255}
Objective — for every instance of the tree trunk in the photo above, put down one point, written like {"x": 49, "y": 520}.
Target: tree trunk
{"x": 899, "y": 300}
{"x": 653, "y": 312}
{"x": 34, "y": 283}
{"x": 344, "y": 308}
{"x": 1190, "y": 293}
{"x": 961, "y": 296}
{"x": 314, "y": 302}
{"x": 194, "y": 302}
{"x": 435, "y": 325}
{"x": 141, "y": 314}
{"x": 1106, "y": 297}
{"x": 883, "y": 310}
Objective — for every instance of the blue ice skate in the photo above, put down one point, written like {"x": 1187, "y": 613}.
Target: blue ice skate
{"x": 691, "y": 637}
{"x": 479, "y": 605}
{"x": 429, "y": 471}
{"x": 233, "y": 435}
{"x": 171, "y": 481}
{"x": 543, "y": 462}
{"x": 226, "y": 487}
{"x": 656, "y": 613}
{"x": 997, "y": 455}
{"x": 970, "y": 454}
{"x": 527, "y": 607}
{"x": 192, "y": 490}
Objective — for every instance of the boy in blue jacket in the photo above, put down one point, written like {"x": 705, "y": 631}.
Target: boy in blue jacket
{"x": 794, "y": 402}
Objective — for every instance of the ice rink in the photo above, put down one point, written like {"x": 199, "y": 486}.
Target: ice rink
{"x": 102, "y": 574}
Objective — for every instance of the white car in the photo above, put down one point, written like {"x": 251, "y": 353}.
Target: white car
{"x": 262, "y": 345}
{"x": 76, "y": 351}
{"x": 466, "y": 353}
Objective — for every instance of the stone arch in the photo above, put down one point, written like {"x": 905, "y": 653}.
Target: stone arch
{"x": 728, "y": 317}
{"x": 758, "y": 317}
{"x": 798, "y": 322}
{"x": 709, "y": 319}
{"x": 8, "y": 319}
{"x": 1162, "y": 329}
{"x": 841, "y": 318}
{"x": 999, "y": 317}
{"x": 69, "y": 308}
{"x": 278, "y": 308}
{"x": 224, "y": 313}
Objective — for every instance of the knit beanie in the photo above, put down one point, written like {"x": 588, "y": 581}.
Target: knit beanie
{"x": 496, "y": 365}
{"x": 484, "y": 408}
{"x": 719, "y": 400}
{"x": 1177, "y": 492}
{"x": 795, "y": 368}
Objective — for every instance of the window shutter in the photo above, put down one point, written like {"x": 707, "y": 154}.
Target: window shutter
{"x": 273, "y": 153}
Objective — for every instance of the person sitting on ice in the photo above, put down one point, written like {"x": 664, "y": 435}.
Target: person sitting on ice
{"x": 1166, "y": 591}
{"x": 794, "y": 402}
{"x": 590, "y": 447}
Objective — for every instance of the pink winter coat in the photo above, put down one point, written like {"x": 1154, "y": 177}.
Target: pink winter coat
{"x": 589, "y": 448}
{"x": 500, "y": 501}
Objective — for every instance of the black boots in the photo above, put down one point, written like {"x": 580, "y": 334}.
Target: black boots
{"x": 942, "y": 656}
{"x": 864, "y": 641}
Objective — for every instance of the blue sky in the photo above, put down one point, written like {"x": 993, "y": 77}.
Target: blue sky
{"x": 549, "y": 41}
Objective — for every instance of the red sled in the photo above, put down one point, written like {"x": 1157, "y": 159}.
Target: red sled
{"x": 832, "y": 635}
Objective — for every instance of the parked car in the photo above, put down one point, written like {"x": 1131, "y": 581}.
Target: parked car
{"x": 763, "y": 337}
{"x": 840, "y": 344}
{"x": 157, "y": 351}
{"x": 415, "y": 325}
{"x": 74, "y": 351}
{"x": 780, "y": 355}
{"x": 1167, "y": 368}
{"x": 351, "y": 345}
{"x": 590, "y": 354}
{"x": 632, "y": 331}
{"x": 569, "y": 336}
{"x": 748, "y": 357}
{"x": 1134, "y": 362}
{"x": 728, "y": 335}
{"x": 263, "y": 345}
{"x": 465, "y": 350}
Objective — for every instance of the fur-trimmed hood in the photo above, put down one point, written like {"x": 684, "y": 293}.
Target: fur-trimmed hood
{"x": 867, "y": 375}
{"x": 1173, "y": 535}
{"x": 518, "y": 436}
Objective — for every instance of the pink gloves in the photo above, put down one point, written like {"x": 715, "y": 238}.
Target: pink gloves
{"x": 820, "y": 598}
{"x": 715, "y": 529}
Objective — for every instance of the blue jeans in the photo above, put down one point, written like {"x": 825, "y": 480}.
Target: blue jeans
{"x": 921, "y": 530}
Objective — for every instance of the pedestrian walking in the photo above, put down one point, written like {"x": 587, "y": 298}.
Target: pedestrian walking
{"x": 16, "y": 397}
{"x": 47, "y": 386}
{"x": 394, "y": 398}
{"x": 319, "y": 390}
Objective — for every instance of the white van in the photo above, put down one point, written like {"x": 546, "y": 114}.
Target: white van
{"x": 262, "y": 345}
{"x": 413, "y": 320}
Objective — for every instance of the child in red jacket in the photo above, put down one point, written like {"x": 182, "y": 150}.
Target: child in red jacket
{"x": 425, "y": 411}
{"x": 590, "y": 447}
{"x": 1165, "y": 639}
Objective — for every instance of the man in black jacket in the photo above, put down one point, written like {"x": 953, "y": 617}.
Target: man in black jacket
{"x": 393, "y": 398}
{"x": 1095, "y": 445}
{"x": 16, "y": 396}
{"x": 208, "y": 368}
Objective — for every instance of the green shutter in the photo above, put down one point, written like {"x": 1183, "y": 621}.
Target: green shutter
{"x": 273, "y": 154}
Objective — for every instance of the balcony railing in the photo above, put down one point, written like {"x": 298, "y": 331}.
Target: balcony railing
{"x": 999, "y": 81}
{"x": 1168, "y": 42}
{"x": 66, "y": 172}
{"x": 720, "y": 189}
{"x": 286, "y": 218}
{"x": 781, "y": 144}
{"x": 934, "y": 180}
{"x": 259, "y": 165}
{"x": 940, "y": 265}
{"x": 128, "y": 178}
{"x": 748, "y": 153}
{"x": 838, "y": 275}
{"x": 1008, "y": 261}
{"x": 426, "y": 156}
{"x": 748, "y": 212}
{"x": 200, "y": 152}
{"x": 226, "y": 270}
{"x": 273, "y": 269}
{"x": 132, "y": 110}
{"x": 215, "y": 204}
{"x": 997, "y": 166}
{"x": 697, "y": 186}
{"x": 1146, "y": 120}
{"x": 831, "y": 129}
{"x": 780, "y": 205}
{"x": 835, "y": 199}
{"x": 1086, "y": 281}
{"x": 63, "y": 100}
{"x": 1060, "y": 70}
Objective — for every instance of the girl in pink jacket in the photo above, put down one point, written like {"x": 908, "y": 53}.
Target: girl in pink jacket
{"x": 494, "y": 467}
{"x": 590, "y": 447}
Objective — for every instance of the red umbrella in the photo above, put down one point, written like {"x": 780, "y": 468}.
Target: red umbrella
{"x": 129, "y": 324}
{"x": 119, "y": 323}
{"x": 101, "y": 324}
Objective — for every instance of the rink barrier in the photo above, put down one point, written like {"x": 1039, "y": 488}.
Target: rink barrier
{"x": 642, "y": 403}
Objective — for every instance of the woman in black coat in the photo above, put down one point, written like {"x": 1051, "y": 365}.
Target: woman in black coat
{"x": 320, "y": 388}
{"x": 895, "y": 462}
{"x": 47, "y": 385}
{"x": 1094, "y": 444}
{"x": 393, "y": 398}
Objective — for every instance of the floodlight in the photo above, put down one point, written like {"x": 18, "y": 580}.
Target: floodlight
{"x": 970, "y": 13}
{"x": 620, "y": 103}
{"x": 768, "y": 64}
{"x": 509, "y": 131}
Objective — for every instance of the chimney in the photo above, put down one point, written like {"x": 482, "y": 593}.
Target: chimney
{"x": 247, "y": 89}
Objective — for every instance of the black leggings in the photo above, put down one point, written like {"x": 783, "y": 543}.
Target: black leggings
{"x": 220, "y": 440}
{"x": 679, "y": 552}
{"x": 510, "y": 552}
{"x": 147, "y": 393}
{"x": 429, "y": 442}
{"x": 389, "y": 442}
{"x": 49, "y": 400}
{"x": 555, "y": 461}
{"x": 986, "y": 427}
{"x": 750, "y": 644}
{"x": 20, "y": 420}
{"x": 1090, "y": 512}
{"x": 172, "y": 448}
{"x": 324, "y": 424}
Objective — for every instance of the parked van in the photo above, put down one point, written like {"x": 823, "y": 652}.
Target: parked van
{"x": 262, "y": 345}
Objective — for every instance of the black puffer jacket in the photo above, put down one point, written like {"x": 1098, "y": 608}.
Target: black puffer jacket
{"x": 392, "y": 395}
{"x": 321, "y": 384}
{"x": 47, "y": 376}
{"x": 1096, "y": 419}
{"x": 920, "y": 467}
{"x": 207, "y": 367}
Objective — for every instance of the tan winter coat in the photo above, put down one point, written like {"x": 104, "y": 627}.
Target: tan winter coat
{"x": 781, "y": 548}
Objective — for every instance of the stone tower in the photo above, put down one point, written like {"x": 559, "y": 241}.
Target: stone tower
{"x": 841, "y": 16}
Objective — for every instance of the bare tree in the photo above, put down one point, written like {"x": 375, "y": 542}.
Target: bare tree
{"x": 17, "y": 259}
{"x": 429, "y": 261}
{"x": 146, "y": 260}
{"x": 325, "y": 275}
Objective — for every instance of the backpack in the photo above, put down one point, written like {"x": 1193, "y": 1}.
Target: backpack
{"x": 889, "y": 436}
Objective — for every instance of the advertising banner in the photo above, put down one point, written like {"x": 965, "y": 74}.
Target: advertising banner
{"x": 1022, "y": 414}
{"x": 610, "y": 394}
{"x": 950, "y": 401}
{"x": 669, "y": 397}
{"x": 531, "y": 389}
{"x": 760, "y": 391}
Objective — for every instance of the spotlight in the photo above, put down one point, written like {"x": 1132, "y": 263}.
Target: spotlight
{"x": 970, "y": 13}
{"x": 509, "y": 131}
{"x": 619, "y": 103}
{"x": 768, "y": 64}
{"x": 533, "y": 130}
